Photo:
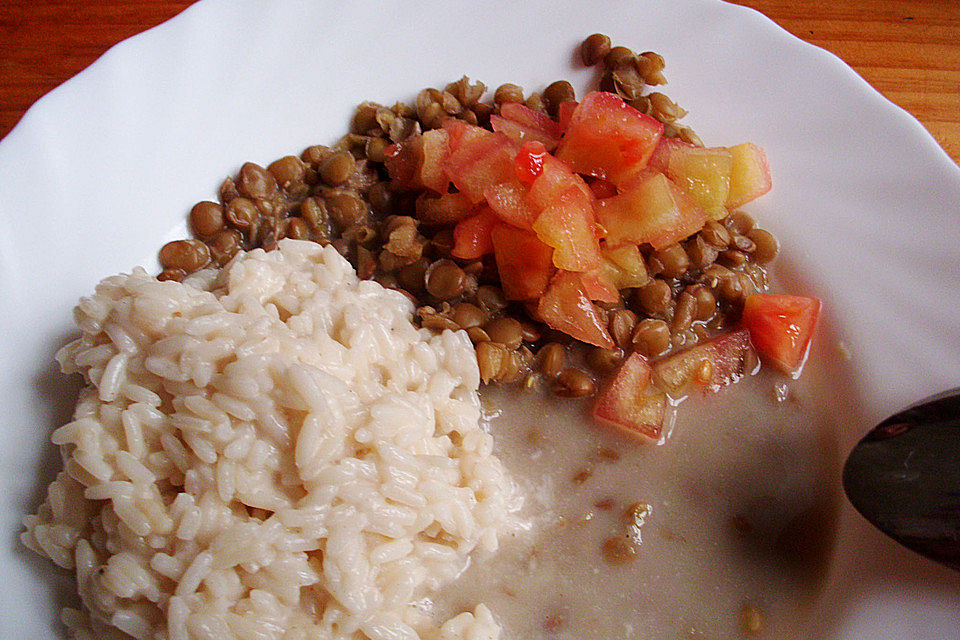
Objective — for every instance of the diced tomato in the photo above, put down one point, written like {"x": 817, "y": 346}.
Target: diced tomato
{"x": 603, "y": 188}
{"x": 713, "y": 364}
{"x": 530, "y": 160}
{"x": 607, "y": 138}
{"x": 781, "y": 328}
{"x": 662, "y": 152}
{"x": 704, "y": 175}
{"x": 629, "y": 402}
{"x": 555, "y": 179}
{"x": 446, "y": 208}
{"x": 598, "y": 286}
{"x": 481, "y": 162}
{"x": 564, "y": 114}
{"x": 624, "y": 266}
{"x": 471, "y": 236}
{"x": 459, "y": 133}
{"x": 403, "y": 161}
{"x": 567, "y": 225}
{"x": 436, "y": 147}
{"x": 566, "y": 307}
{"x": 653, "y": 210}
{"x": 522, "y": 124}
{"x": 509, "y": 201}
{"x": 524, "y": 263}
{"x": 750, "y": 175}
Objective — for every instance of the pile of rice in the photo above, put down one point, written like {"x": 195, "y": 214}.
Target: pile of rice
{"x": 271, "y": 451}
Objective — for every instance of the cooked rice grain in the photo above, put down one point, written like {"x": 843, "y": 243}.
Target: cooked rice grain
{"x": 270, "y": 452}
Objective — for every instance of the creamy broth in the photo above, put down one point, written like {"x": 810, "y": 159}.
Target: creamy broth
{"x": 742, "y": 502}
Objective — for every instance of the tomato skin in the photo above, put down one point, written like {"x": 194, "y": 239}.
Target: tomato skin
{"x": 628, "y": 403}
{"x": 478, "y": 159}
{"x": 472, "y": 236}
{"x": 522, "y": 124}
{"x": 607, "y": 138}
{"x": 525, "y": 264}
{"x": 565, "y": 306}
{"x": 781, "y": 328}
{"x": 564, "y": 114}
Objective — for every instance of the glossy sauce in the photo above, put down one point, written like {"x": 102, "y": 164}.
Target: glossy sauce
{"x": 742, "y": 501}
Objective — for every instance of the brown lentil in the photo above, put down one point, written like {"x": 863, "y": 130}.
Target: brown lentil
{"x": 618, "y": 57}
{"x": 733, "y": 258}
{"x": 506, "y": 331}
{"x": 706, "y": 302}
{"x": 224, "y": 245}
{"x": 594, "y": 49}
{"x": 739, "y": 222}
{"x": 742, "y": 243}
{"x": 187, "y": 255}
{"x": 466, "y": 315}
{"x": 604, "y": 360}
{"x": 618, "y": 550}
{"x": 622, "y": 324}
{"x": 653, "y": 69}
{"x": 552, "y": 356}
{"x": 490, "y": 356}
{"x": 685, "y": 313}
{"x": 316, "y": 154}
{"x": 665, "y": 109}
{"x": 557, "y": 92}
{"x": 490, "y": 299}
{"x": 172, "y": 274}
{"x": 337, "y": 168}
{"x": 700, "y": 253}
{"x": 535, "y": 102}
{"x": 375, "y": 149}
{"x": 573, "y": 383}
{"x": 344, "y": 207}
{"x": 206, "y": 219}
{"x": 530, "y": 331}
{"x": 766, "y": 246}
{"x": 651, "y": 337}
{"x": 288, "y": 171}
{"x": 241, "y": 213}
{"x": 674, "y": 261}
{"x": 477, "y": 335}
{"x": 255, "y": 182}
{"x": 508, "y": 93}
{"x": 296, "y": 229}
{"x": 654, "y": 296}
{"x": 716, "y": 234}
{"x": 444, "y": 279}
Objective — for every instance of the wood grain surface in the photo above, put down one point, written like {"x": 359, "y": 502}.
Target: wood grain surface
{"x": 908, "y": 49}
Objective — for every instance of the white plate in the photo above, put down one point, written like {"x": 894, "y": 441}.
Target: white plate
{"x": 105, "y": 167}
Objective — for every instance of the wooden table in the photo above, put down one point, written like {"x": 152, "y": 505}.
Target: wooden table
{"x": 908, "y": 49}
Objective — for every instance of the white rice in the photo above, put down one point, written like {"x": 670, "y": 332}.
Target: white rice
{"x": 276, "y": 452}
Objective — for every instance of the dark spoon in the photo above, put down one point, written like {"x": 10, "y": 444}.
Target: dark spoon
{"x": 904, "y": 477}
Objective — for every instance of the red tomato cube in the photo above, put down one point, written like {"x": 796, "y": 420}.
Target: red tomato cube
{"x": 781, "y": 328}
{"x": 565, "y": 306}
{"x": 713, "y": 364}
{"x": 652, "y": 210}
{"x": 472, "y": 236}
{"x": 629, "y": 402}
{"x": 750, "y": 175}
{"x": 524, "y": 263}
{"x": 479, "y": 159}
{"x": 567, "y": 225}
{"x": 509, "y": 201}
{"x": 607, "y": 138}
